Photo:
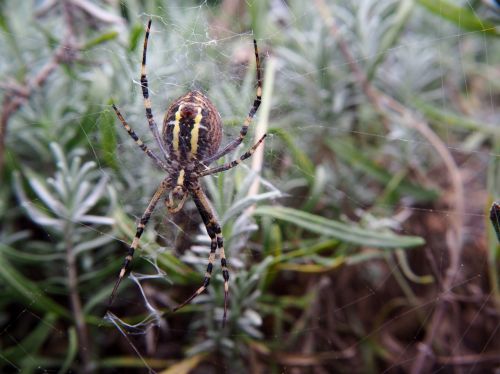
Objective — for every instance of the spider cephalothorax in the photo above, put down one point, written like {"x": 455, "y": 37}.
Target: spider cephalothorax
{"x": 189, "y": 143}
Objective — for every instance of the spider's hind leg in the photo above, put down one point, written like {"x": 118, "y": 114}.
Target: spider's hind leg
{"x": 208, "y": 275}
{"x": 140, "y": 229}
{"x": 215, "y": 233}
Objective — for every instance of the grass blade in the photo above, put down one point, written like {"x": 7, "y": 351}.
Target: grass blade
{"x": 464, "y": 18}
{"x": 335, "y": 229}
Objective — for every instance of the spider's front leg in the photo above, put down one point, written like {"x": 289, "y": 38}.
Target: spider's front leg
{"x": 246, "y": 124}
{"x": 214, "y": 231}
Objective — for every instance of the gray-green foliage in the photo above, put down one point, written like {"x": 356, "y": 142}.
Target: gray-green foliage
{"x": 335, "y": 176}
{"x": 64, "y": 204}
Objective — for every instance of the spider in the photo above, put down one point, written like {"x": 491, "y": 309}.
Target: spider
{"x": 189, "y": 143}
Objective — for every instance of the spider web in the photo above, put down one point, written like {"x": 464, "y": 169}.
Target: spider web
{"x": 314, "y": 98}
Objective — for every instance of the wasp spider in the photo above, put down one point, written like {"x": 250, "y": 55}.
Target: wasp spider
{"x": 189, "y": 143}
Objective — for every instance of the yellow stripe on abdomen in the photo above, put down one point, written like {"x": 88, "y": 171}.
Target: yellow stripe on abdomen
{"x": 195, "y": 133}
{"x": 177, "y": 129}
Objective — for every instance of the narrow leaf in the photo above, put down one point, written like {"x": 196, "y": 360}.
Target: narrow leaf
{"x": 107, "y": 130}
{"x": 335, "y": 229}
{"x": 101, "y": 39}
{"x": 41, "y": 191}
{"x": 465, "y": 18}
{"x": 92, "y": 198}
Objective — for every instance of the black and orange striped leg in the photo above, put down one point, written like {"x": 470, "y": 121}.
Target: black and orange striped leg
{"x": 215, "y": 233}
{"x": 145, "y": 93}
{"x": 138, "y": 141}
{"x": 140, "y": 229}
{"x": 236, "y": 162}
{"x": 208, "y": 274}
{"x": 244, "y": 129}
{"x": 225, "y": 271}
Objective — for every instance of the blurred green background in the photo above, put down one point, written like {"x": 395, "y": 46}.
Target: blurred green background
{"x": 360, "y": 242}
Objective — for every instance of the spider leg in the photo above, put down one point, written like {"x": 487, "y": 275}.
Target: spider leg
{"x": 244, "y": 129}
{"x": 233, "y": 163}
{"x": 140, "y": 228}
{"x": 145, "y": 93}
{"x": 138, "y": 141}
{"x": 215, "y": 233}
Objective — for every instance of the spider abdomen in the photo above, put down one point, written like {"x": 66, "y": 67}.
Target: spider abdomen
{"x": 192, "y": 128}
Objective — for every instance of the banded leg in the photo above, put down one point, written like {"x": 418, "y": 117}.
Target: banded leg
{"x": 140, "y": 229}
{"x": 244, "y": 129}
{"x": 225, "y": 271}
{"x": 233, "y": 163}
{"x": 145, "y": 93}
{"x": 215, "y": 233}
{"x": 138, "y": 141}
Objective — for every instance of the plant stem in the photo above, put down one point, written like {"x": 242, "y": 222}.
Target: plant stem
{"x": 76, "y": 304}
